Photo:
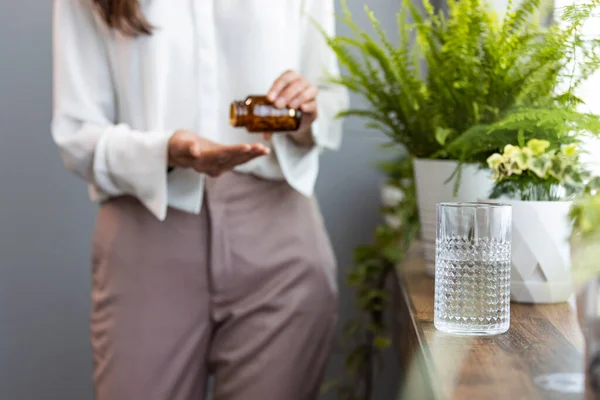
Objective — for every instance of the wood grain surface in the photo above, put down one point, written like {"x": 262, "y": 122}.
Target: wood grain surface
{"x": 542, "y": 339}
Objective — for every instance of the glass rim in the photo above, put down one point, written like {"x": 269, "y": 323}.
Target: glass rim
{"x": 474, "y": 204}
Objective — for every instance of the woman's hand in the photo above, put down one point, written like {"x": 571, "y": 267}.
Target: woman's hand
{"x": 292, "y": 90}
{"x": 188, "y": 150}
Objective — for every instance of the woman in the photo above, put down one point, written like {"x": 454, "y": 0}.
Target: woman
{"x": 221, "y": 266}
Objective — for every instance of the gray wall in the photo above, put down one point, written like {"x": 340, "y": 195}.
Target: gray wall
{"x": 348, "y": 192}
{"x": 46, "y": 219}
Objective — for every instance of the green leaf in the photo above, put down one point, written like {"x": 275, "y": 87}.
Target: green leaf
{"x": 352, "y": 327}
{"x": 521, "y": 138}
{"x": 329, "y": 385}
{"x": 393, "y": 254}
{"x": 441, "y": 134}
{"x": 382, "y": 342}
{"x": 459, "y": 85}
{"x": 356, "y": 358}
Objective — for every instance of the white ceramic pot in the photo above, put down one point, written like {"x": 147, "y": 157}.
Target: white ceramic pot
{"x": 541, "y": 259}
{"x": 431, "y": 188}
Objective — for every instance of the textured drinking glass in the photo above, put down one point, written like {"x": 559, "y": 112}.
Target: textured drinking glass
{"x": 472, "y": 268}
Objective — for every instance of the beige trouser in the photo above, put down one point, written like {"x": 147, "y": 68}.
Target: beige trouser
{"x": 245, "y": 292}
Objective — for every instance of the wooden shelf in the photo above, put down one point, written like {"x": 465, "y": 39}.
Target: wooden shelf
{"x": 542, "y": 339}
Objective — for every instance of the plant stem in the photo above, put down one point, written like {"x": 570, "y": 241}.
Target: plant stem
{"x": 376, "y": 318}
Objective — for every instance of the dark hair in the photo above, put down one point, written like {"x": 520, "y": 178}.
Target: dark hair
{"x": 125, "y": 16}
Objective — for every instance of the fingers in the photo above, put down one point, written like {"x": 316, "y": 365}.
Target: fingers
{"x": 235, "y": 155}
{"x": 244, "y": 149}
{"x": 293, "y": 90}
{"x": 224, "y": 158}
{"x": 281, "y": 83}
{"x": 183, "y": 152}
{"x": 309, "y": 107}
{"x": 242, "y": 158}
{"x": 308, "y": 95}
{"x": 182, "y": 146}
{"x": 195, "y": 149}
{"x": 187, "y": 149}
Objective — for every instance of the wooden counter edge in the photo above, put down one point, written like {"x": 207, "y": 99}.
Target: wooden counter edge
{"x": 422, "y": 356}
{"x": 412, "y": 273}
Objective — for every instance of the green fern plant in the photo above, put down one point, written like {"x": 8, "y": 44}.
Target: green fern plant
{"x": 486, "y": 83}
{"x": 489, "y": 82}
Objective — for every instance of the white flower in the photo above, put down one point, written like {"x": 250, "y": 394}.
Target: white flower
{"x": 538, "y": 147}
{"x": 392, "y": 221}
{"x": 495, "y": 161}
{"x": 391, "y": 196}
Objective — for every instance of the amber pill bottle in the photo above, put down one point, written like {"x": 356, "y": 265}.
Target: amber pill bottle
{"x": 258, "y": 114}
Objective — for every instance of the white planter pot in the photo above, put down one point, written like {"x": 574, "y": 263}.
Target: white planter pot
{"x": 541, "y": 260}
{"x": 430, "y": 178}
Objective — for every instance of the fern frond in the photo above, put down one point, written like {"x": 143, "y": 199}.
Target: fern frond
{"x": 489, "y": 82}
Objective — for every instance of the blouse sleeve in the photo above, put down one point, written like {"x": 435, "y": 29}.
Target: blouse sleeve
{"x": 317, "y": 64}
{"x": 114, "y": 158}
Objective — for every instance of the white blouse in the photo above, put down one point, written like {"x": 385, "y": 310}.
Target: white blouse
{"x": 117, "y": 100}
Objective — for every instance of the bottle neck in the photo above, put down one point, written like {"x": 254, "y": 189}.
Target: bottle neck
{"x": 238, "y": 114}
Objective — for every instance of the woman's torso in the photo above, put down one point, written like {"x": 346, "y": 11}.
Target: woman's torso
{"x": 202, "y": 55}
